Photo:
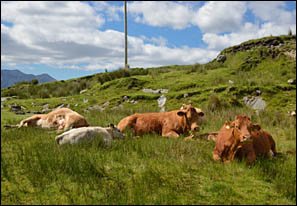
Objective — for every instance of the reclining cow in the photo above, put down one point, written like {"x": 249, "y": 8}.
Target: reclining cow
{"x": 261, "y": 143}
{"x": 169, "y": 124}
{"x": 61, "y": 119}
{"x": 229, "y": 137}
{"x": 88, "y": 133}
{"x": 242, "y": 139}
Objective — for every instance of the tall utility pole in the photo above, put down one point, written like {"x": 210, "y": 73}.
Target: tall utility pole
{"x": 126, "y": 45}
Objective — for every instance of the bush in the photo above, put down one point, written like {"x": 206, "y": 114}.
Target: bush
{"x": 34, "y": 81}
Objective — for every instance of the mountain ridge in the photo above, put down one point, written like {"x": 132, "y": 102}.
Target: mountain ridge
{"x": 11, "y": 77}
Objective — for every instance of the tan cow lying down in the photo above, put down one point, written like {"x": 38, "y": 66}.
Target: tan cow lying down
{"x": 242, "y": 139}
{"x": 170, "y": 124}
{"x": 261, "y": 143}
{"x": 62, "y": 119}
{"x": 88, "y": 133}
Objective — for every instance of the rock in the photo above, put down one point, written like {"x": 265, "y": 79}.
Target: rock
{"x": 76, "y": 105}
{"x": 221, "y": 58}
{"x": 292, "y": 81}
{"x": 157, "y": 91}
{"x": 19, "y": 112}
{"x": 117, "y": 107}
{"x": 83, "y": 91}
{"x": 3, "y": 99}
{"x": 186, "y": 95}
{"x": 59, "y": 107}
{"x": 293, "y": 113}
{"x": 256, "y": 103}
{"x": 96, "y": 107}
{"x": 36, "y": 112}
{"x": 85, "y": 100}
{"x": 291, "y": 54}
{"x": 125, "y": 99}
{"x": 106, "y": 103}
{"x": 133, "y": 101}
{"x": 17, "y": 109}
{"x": 45, "y": 110}
{"x": 14, "y": 108}
{"x": 161, "y": 102}
{"x": 231, "y": 82}
{"x": 258, "y": 91}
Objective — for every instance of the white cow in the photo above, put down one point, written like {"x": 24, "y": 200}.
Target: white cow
{"x": 88, "y": 133}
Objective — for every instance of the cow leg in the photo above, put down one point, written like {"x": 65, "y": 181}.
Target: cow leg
{"x": 189, "y": 137}
{"x": 171, "y": 134}
{"x": 216, "y": 156}
{"x": 234, "y": 153}
{"x": 273, "y": 149}
{"x": 251, "y": 157}
{"x": 31, "y": 121}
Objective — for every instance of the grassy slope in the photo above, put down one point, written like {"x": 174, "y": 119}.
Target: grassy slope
{"x": 154, "y": 170}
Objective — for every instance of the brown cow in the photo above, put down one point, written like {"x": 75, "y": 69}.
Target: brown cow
{"x": 169, "y": 124}
{"x": 230, "y": 136}
{"x": 62, "y": 118}
{"x": 261, "y": 143}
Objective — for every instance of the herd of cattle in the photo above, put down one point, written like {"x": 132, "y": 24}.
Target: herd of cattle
{"x": 237, "y": 139}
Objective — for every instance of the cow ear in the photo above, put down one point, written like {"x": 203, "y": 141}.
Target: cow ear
{"x": 201, "y": 114}
{"x": 232, "y": 124}
{"x": 228, "y": 122}
{"x": 256, "y": 127}
{"x": 181, "y": 113}
{"x": 183, "y": 106}
{"x": 110, "y": 125}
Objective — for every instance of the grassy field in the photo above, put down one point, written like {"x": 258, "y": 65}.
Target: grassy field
{"x": 146, "y": 170}
{"x": 153, "y": 169}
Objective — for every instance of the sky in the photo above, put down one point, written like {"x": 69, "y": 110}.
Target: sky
{"x": 71, "y": 39}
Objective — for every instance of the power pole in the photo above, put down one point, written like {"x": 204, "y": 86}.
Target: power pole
{"x": 126, "y": 45}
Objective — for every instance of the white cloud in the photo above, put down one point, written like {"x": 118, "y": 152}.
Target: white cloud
{"x": 161, "y": 41}
{"x": 247, "y": 32}
{"x": 161, "y": 13}
{"x": 273, "y": 11}
{"x": 111, "y": 11}
{"x": 220, "y": 16}
{"x": 66, "y": 35}
{"x": 273, "y": 20}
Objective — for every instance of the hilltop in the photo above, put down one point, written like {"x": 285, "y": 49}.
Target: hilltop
{"x": 260, "y": 67}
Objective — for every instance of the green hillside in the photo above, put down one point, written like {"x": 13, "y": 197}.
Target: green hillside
{"x": 253, "y": 65}
{"x": 151, "y": 169}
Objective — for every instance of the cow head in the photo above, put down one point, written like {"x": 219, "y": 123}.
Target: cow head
{"x": 244, "y": 125}
{"x": 192, "y": 115}
{"x": 199, "y": 111}
{"x": 114, "y": 131}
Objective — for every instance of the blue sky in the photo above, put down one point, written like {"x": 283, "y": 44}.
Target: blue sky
{"x": 72, "y": 39}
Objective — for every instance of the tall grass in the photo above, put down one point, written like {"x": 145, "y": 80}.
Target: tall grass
{"x": 145, "y": 170}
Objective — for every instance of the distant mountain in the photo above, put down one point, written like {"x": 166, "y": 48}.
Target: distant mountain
{"x": 10, "y": 77}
